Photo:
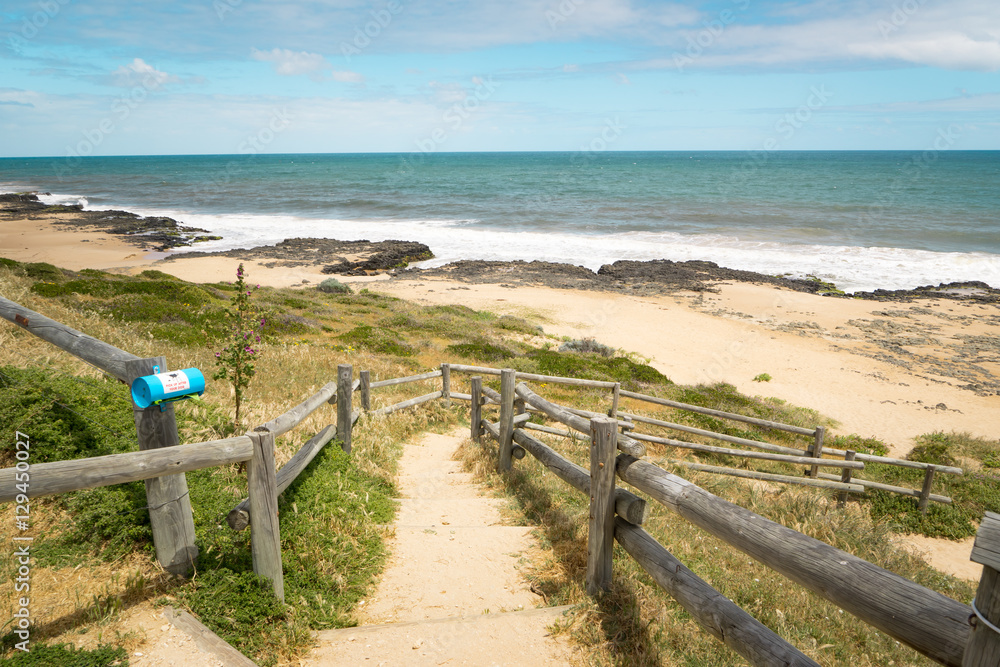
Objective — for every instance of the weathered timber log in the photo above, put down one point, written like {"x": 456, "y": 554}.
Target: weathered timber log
{"x": 766, "y": 446}
{"x": 742, "y": 453}
{"x": 95, "y": 352}
{"x": 492, "y": 396}
{"x": 548, "y": 429}
{"x": 365, "y": 385}
{"x": 887, "y": 487}
{"x": 345, "y": 421}
{"x": 983, "y": 648}
{"x": 601, "y": 524}
{"x": 77, "y": 474}
{"x": 284, "y": 423}
{"x": 476, "y": 411}
{"x": 719, "y": 413}
{"x": 506, "y": 418}
{"x": 931, "y": 623}
{"x": 772, "y": 477}
{"x": 484, "y": 370}
{"x": 817, "y": 449}
{"x": 265, "y": 535}
{"x": 412, "y": 378}
{"x": 590, "y": 414}
{"x": 205, "y": 639}
{"x": 558, "y": 413}
{"x": 479, "y": 370}
{"x": 446, "y": 385}
{"x": 925, "y": 491}
{"x": 434, "y": 395}
{"x": 576, "y": 382}
{"x": 460, "y": 396}
{"x": 170, "y": 517}
{"x": 726, "y": 621}
{"x": 627, "y": 505}
{"x": 239, "y": 516}
{"x": 845, "y": 478}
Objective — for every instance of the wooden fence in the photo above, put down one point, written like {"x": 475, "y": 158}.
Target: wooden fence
{"x": 938, "y": 627}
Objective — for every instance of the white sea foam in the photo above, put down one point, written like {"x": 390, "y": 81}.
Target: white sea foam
{"x": 851, "y": 268}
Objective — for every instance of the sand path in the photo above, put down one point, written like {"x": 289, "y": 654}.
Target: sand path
{"x": 451, "y": 593}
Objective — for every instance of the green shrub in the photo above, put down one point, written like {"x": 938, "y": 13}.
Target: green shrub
{"x": 587, "y": 345}
{"x": 763, "y": 377}
{"x": 64, "y": 655}
{"x": 241, "y": 608}
{"x": 378, "y": 340}
{"x": 860, "y": 445}
{"x": 933, "y": 448}
{"x": 590, "y": 367}
{"x": 333, "y": 286}
{"x": 43, "y": 271}
{"x": 480, "y": 350}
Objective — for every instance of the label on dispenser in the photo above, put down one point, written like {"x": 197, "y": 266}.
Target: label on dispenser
{"x": 174, "y": 381}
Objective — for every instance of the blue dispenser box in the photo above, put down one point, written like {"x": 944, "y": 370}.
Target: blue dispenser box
{"x": 167, "y": 387}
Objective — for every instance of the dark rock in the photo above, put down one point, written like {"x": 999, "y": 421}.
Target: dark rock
{"x": 154, "y": 233}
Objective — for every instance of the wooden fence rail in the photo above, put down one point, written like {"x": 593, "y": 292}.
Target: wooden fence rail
{"x": 104, "y": 356}
{"x": 931, "y": 623}
{"x": 722, "y": 617}
{"x": 170, "y": 516}
{"x": 78, "y": 474}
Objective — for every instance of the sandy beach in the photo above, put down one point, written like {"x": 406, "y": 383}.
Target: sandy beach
{"x": 888, "y": 369}
{"x": 891, "y": 369}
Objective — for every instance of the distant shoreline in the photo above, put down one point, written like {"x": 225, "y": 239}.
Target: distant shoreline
{"x": 363, "y": 258}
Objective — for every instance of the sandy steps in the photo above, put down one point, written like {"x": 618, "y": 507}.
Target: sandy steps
{"x": 452, "y": 592}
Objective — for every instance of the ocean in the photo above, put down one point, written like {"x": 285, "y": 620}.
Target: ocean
{"x": 861, "y": 219}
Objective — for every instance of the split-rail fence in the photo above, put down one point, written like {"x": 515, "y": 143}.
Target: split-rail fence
{"x": 939, "y": 627}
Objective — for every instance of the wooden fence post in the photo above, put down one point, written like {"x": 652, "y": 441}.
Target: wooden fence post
{"x": 446, "y": 384}
{"x": 265, "y": 535}
{"x": 601, "y": 536}
{"x": 925, "y": 492}
{"x": 507, "y": 380}
{"x": 983, "y": 647}
{"x": 615, "y": 397}
{"x": 476, "y": 412}
{"x": 170, "y": 514}
{"x": 845, "y": 477}
{"x": 366, "y": 390}
{"x": 817, "y": 449}
{"x": 345, "y": 378}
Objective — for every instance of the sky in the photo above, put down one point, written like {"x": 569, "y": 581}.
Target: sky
{"x": 134, "y": 77}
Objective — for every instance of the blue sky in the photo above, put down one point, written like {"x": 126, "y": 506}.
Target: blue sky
{"x": 126, "y": 77}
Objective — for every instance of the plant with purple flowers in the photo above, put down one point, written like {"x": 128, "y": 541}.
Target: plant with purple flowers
{"x": 236, "y": 361}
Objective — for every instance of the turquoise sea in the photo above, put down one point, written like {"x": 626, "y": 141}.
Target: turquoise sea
{"x": 890, "y": 219}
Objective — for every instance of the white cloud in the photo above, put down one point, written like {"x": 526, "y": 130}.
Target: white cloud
{"x": 138, "y": 72}
{"x": 294, "y": 63}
